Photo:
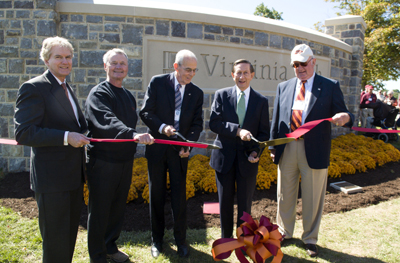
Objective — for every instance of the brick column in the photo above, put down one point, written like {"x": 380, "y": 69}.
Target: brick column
{"x": 351, "y": 30}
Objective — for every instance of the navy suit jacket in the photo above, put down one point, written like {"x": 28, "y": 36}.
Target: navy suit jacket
{"x": 42, "y": 115}
{"x": 326, "y": 100}
{"x": 159, "y": 107}
{"x": 225, "y": 123}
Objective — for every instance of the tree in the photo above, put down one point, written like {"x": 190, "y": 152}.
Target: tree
{"x": 264, "y": 11}
{"x": 382, "y": 38}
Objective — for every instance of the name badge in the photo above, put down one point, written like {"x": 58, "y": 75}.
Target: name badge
{"x": 299, "y": 105}
{"x": 177, "y": 115}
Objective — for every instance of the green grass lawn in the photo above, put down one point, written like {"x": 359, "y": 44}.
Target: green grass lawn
{"x": 368, "y": 235}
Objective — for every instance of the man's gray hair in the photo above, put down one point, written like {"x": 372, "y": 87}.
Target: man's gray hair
{"x": 51, "y": 42}
{"x": 184, "y": 53}
{"x": 111, "y": 52}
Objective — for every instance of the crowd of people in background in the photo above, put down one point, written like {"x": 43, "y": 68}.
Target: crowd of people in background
{"x": 370, "y": 100}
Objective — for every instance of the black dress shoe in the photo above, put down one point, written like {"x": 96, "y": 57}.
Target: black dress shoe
{"x": 183, "y": 251}
{"x": 312, "y": 250}
{"x": 156, "y": 249}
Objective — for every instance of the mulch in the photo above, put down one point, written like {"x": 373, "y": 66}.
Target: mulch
{"x": 378, "y": 185}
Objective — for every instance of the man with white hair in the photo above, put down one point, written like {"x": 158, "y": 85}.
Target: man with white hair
{"x": 111, "y": 114}
{"x": 391, "y": 99}
{"x": 172, "y": 103}
{"x": 305, "y": 98}
{"x": 48, "y": 118}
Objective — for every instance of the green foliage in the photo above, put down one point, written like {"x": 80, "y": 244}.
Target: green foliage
{"x": 319, "y": 27}
{"x": 264, "y": 11}
{"x": 382, "y": 38}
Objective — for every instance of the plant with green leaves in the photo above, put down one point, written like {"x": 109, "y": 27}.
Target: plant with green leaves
{"x": 382, "y": 38}
{"x": 264, "y": 11}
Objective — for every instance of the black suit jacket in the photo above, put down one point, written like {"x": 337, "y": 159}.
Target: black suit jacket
{"x": 159, "y": 107}
{"x": 326, "y": 100}
{"x": 225, "y": 123}
{"x": 42, "y": 115}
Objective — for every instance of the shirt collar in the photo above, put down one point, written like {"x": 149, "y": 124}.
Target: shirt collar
{"x": 246, "y": 91}
{"x": 309, "y": 82}
{"x": 176, "y": 83}
{"x": 59, "y": 81}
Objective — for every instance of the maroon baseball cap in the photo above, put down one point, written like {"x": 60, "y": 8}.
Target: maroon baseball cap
{"x": 368, "y": 87}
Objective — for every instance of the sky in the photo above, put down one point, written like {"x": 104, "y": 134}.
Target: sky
{"x": 302, "y": 13}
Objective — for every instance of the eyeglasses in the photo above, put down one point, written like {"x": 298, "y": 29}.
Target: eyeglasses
{"x": 189, "y": 70}
{"x": 303, "y": 64}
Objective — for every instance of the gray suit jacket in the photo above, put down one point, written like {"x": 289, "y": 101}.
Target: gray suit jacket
{"x": 42, "y": 115}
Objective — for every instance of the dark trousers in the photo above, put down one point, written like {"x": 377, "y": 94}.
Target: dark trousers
{"x": 59, "y": 215}
{"x": 246, "y": 183}
{"x": 157, "y": 187}
{"x": 109, "y": 185}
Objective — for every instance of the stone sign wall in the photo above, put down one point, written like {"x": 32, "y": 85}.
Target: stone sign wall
{"x": 151, "y": 36}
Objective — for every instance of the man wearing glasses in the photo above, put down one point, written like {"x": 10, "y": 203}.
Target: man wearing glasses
{"x": 172, "y": 104}
{"x": 305, "y": 98}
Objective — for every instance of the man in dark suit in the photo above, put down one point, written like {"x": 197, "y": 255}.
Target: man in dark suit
{"x": 237, "y": 113}
{"x": 110, "y": 113}
{"x": 305, "y": 98}
{"x": 172, "y": 103}
{"x": 48, "y": 118}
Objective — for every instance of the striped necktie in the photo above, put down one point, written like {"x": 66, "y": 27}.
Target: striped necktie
{"x": 297, "y": 114}
{"x": 178, "y": 104}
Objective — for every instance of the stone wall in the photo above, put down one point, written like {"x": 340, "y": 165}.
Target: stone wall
{"x": 95, "y": 28}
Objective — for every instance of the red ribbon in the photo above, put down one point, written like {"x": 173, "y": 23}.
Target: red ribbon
{"x": 189, "y": 144}
{"x": 374, "y": 130}
{"x": 260, "y": 240}
{"x": 8, "y": 141}
{"x": 306, "y": 127}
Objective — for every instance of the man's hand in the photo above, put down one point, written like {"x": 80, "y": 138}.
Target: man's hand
{"x": 183, "y": 153}
{"x": 244, "y": 135}
{"x": 144, "y": 138}
{"x": 253, "y": 157}
{"x": 341, "y": 118}
{"x": 272, "y": 154}
{"x": 77, "y": 140}
{"x": 168, "y": 130}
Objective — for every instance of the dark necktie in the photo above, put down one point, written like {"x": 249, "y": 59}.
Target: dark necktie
{"x": 241, "y": 108}
{"x": 66, "y": 93}
{"x": 297, "y": 114}
{"x": 178, "y": 104}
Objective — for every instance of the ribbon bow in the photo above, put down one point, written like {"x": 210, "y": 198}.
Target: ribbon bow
{"x": 260, "y": 240}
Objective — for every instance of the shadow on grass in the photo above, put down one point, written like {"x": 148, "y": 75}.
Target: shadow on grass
{"x": 323, "y": 253}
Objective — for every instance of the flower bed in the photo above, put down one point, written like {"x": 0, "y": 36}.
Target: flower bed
{"x": 350, "y": 153}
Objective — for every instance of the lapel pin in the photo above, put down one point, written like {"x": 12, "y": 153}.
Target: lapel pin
{"x": 319, "y": 88}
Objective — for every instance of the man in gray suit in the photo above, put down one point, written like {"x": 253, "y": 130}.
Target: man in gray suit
{"x": 48, "y": 118}
{"x": 307, "y": 97}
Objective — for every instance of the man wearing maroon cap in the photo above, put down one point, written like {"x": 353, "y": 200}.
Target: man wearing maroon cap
{"x": 367, "y": 98}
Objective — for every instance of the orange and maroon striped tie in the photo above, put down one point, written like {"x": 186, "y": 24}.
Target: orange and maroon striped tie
{"x": 296, "y": 114}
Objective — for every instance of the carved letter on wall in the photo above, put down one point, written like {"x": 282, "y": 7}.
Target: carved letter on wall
{"x": 210, "y": 72}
